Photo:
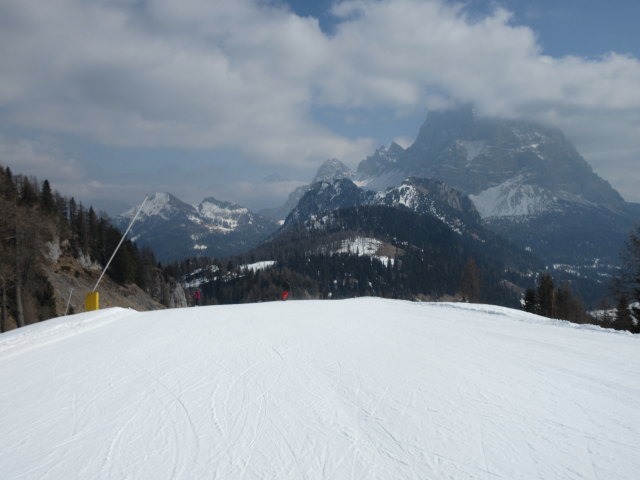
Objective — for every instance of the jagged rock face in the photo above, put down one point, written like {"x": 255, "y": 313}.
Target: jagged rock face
{"x": 381, "y": 170}
{"x": 326, "y": 196}
{"x": 176, "y": 230}
{"x": 430, "y": 196}
{"x": 384, "y": 158}
{"x": 508, "y": 167}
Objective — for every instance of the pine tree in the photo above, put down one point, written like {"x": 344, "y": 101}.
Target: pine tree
{"x": 623, "y": 314}
{"x": 530, "y": 301}
{"x": 545, "y": 296}
{"x": 28, "y": 192}
{"x": 565, "y": 304}
{"x": 470, "y": 282}
{"x": 46, "y": 198}
{"x": 629, "y": 280}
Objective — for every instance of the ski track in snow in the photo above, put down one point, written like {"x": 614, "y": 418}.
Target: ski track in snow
{"x": 355, "y": 389}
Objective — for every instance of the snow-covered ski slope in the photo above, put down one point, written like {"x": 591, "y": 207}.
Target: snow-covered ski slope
{"x": 364, "y": 388}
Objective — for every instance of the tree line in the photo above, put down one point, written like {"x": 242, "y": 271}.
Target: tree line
{"x": 561, "y": 303}
{"x": 555, "y": 302}
{"x": 626, "y": 285}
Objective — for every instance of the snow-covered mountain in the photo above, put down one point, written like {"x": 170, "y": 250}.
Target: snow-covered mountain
{"x": 175, "y": 229}
{"x": 527, "y": 181}
{"x": 332, "y": 169}
{"x": 423, "y": 196}
{"x": 160, "y": 205}
{"x": 362, "y": 388}
{"x": 509, "y": 167}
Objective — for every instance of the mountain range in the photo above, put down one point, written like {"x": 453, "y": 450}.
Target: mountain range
{"x": 515, "y": 178}
{"x": 175, "y": 229}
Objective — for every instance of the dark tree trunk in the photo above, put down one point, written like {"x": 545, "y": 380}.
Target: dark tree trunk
{"x": 19, "y": 308}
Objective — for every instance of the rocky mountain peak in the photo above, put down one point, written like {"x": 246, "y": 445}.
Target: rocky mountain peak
{"x": 332, "y": 169}
{"x": 160, "y": 204}
{"x": 508, "y": 167}
{"x": 384, "y": 158}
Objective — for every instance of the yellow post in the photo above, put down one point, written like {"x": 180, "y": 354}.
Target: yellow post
{"x": 92, "y": 301}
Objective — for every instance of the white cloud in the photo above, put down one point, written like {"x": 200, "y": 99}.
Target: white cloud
{"x": 248, "y": 75}
{"x": 403, "y": 52}
{"x": 192, "y": 74}
{"x": 41, "y": 158}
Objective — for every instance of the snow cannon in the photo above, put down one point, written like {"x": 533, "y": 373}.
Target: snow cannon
{"x": 92, "y": 301}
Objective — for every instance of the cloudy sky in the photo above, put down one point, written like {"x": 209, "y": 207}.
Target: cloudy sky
{"x": 113, "y": 99}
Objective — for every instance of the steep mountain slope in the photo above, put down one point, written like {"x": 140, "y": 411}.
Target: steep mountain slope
{"x": 175, "y": 229}
{"x": 364, "y": 388}
{"x": 380, "y": 170}
{"x": 72, "y": 281}
{"x": 527, "y": 181}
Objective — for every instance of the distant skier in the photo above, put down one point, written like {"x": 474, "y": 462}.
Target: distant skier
{"x": 285, "y": 291}
{"x": 196, "y": 297}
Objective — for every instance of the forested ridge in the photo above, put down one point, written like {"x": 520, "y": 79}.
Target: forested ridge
{"x": 38, "y": 226}
{"x": 424, "y": 259}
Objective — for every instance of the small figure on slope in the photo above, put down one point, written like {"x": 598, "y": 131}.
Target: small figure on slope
{"x": 196, "y": 297}
{"x": 285, "y": 291}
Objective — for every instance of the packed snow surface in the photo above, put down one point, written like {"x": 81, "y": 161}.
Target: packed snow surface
{"x": 365, "y": 388}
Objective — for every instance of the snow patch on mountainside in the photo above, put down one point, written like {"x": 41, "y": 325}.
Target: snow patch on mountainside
{"x": 364, "y": 246}
{"x": 474, "y": 148}
{"x": 360, "y": 245}
{"x": 221, "y": 218}
{"x": 512, "y": 198}
{"x": 216, "y": 212}
{"x": 389, "y": 178}
{"x": 254, "y": 267}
